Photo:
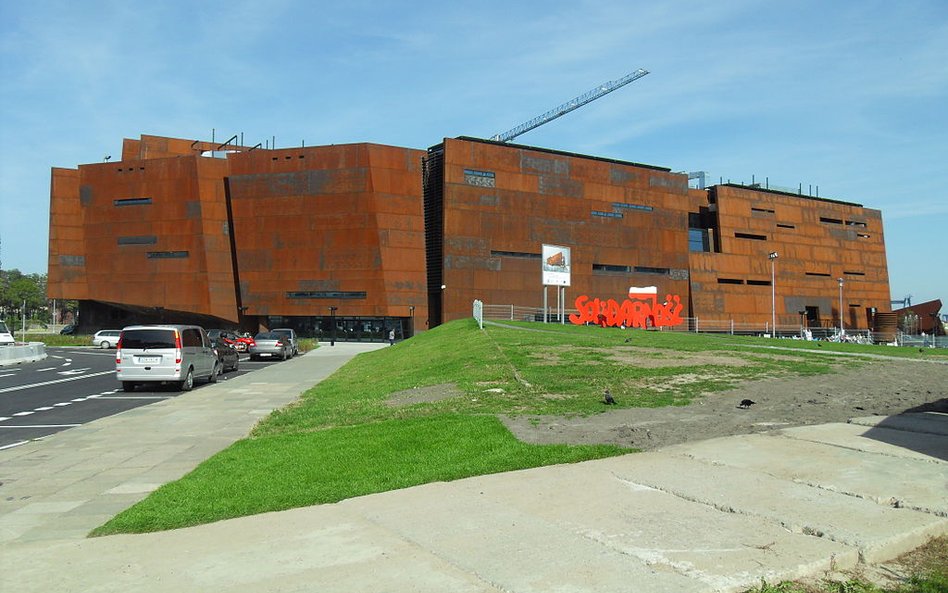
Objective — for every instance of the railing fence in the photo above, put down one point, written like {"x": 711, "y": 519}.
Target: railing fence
{"x": 719, "y": 326}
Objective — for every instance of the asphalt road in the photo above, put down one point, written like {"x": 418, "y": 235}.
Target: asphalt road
{"x": 71, "y": 387}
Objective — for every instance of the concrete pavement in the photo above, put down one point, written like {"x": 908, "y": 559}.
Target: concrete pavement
{"x": 717, "y": 515}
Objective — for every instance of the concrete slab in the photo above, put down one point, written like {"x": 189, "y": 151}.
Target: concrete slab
{"x": 624, "y": 536}
{"x": 891, "y": 481}
{"x": 930, "y": 422}
{"x": 879, "y": 533}
{"x": 922, "y": 446}
{"x": 323, "y": 549}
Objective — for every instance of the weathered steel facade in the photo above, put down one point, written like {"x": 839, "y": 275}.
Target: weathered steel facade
{"x": 224, "y": 235}
{"x": 492, "y": 206}
{"x": 379, "y": 237}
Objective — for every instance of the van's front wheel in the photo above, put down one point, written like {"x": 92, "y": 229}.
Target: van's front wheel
{"x": 188, "y": 382}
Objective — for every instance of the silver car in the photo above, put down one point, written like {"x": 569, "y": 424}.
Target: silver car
{"x": 178, "y": 354}
{"x": 106, "y": 338}
{"x": 290, "y": 336}
{"x": 270, "y": 345}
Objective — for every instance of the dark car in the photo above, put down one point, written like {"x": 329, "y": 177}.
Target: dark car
{"x": 68, "y": 330}
{"x": 229, "y": 357}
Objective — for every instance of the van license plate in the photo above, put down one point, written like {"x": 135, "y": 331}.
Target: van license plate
{"x": 148, "y": 359}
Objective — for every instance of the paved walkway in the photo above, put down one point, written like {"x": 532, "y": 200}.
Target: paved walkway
{"x": 717, "y": 515}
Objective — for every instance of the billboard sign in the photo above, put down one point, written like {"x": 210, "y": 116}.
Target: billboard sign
{"x": 556, "y": 265}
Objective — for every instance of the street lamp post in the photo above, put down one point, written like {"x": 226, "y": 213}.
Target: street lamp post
{"x": 411, "y": 314}
{"x": 332, "y": 326}
{"x": 842, "y": 330}
{"x": 773, "y": 291}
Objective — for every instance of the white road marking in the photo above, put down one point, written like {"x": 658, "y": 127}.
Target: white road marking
{"x": 43, "y": 409}
{"x": 3, "y": 418}
{"x": 63, "y": 404}
{"x": 46, "y": 369}
{"x": 11, "y": 445}
{"x": 80, "y": 399}
{"x": 44, "y": 426}
{"x": 30, "y": 386}
{"x": 73, "y": 371}
{"x": 8, "y": 375}
{"x": 23, "y": 413}
{"x": 139, "y": 397}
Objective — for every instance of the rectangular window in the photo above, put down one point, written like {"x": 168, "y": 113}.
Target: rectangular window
{"x": 862, "y": 235}
{"x": 650, "y": 270}
{"x": 820, "y": 274}
{"x": 520, "y": 254}
{"x": 167, "y": 254}
{"x": 831, "y": 220}
{"x": 141, "y": 240}
{"x": 730, "y": 281}
{"x": 857, "y": 223}
{"x": 762, "y": 211}
{"x": 606, "y": 214}
{"x": 698, "y": 240}
{"x": 479, "y": 178}
{"x": 785, "y": 226}
{"x": 751, "y": 236}
{"x": 611, "y": 269}
{"x": 131, "y": 202}
{"x": 325, "y": 294}
{"x": 632, "y": 206}
{"x": 758, "y": 282}
{"x": 855, "y": 273}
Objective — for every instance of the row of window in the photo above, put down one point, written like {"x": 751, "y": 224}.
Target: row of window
{"x": 326, "y": 294}
{"x": 756, "y": 237}
{"x": 826, "y": 275}
{"x": 824, "y": 219}
{"x": 613, "y": 269}
{"x": 767, "y": 282}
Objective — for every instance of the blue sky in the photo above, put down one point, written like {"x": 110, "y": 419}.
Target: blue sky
{"x": 850, "y": 96}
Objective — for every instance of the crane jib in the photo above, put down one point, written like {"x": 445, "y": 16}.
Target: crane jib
{"x": 575, "y": 103}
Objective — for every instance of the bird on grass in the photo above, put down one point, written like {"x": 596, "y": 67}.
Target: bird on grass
{"x": 746, "y": 403}
{"x": 608, "y": 399}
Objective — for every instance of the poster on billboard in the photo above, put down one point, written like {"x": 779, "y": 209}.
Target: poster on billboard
{"x": 556, "y": 265}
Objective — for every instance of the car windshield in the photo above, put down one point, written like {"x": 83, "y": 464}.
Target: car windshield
{"x": 3, "y": 328}
{"x": 267, "y": 336}
{"x": 142, "y": 339}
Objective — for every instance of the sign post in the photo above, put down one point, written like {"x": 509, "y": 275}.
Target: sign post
{"x": 556, "y": 263}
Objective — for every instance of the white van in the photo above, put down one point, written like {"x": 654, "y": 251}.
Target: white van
{"x": 6, "y": 338}
{"x": 177, "y": 354}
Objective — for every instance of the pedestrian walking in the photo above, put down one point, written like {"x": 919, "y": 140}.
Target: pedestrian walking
{"x": 391, "y": 338}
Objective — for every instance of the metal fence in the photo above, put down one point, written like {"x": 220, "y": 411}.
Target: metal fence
{"x": 725, "y": 326}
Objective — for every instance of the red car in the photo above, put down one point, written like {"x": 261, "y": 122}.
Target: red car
{"x": 244, "y": 343}
{"x": 235, "y": 341}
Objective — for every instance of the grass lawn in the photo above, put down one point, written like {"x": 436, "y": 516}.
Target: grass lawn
{"x": 344, "y": 438}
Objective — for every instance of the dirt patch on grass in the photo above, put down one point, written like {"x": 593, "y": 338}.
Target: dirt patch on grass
{"x": 424, "y": 395}
{"x": 874, "y": 388}
{"x": 645, "y": 358}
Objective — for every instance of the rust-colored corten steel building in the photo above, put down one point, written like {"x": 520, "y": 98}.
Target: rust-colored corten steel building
{"x": 378, "y": 237}
{"x": 230, "y": 236}
{"x": 491, "y": 206}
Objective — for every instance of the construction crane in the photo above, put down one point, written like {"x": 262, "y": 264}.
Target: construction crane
{"x": 587, "y": 97}
{"x": 905, "y": 302}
